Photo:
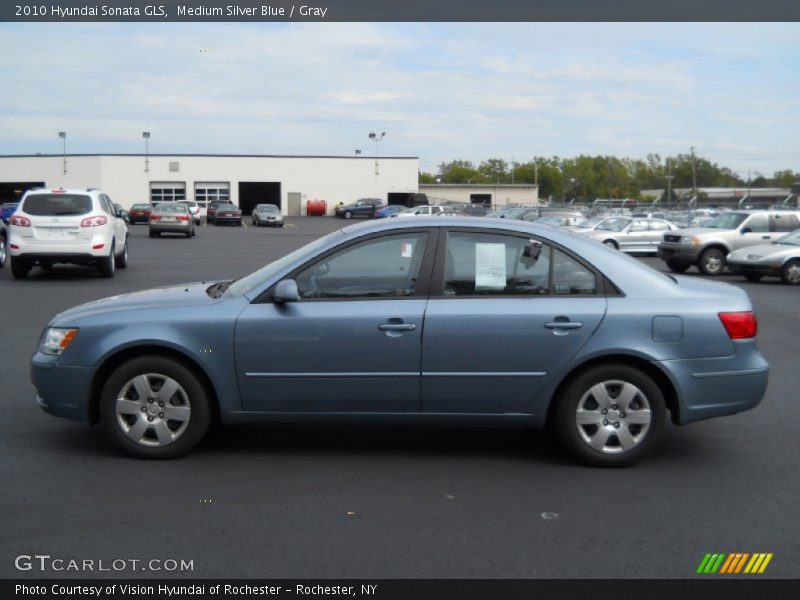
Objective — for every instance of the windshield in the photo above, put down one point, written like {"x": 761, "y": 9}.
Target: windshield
{"x": 727, "y": 221}
{"x": 267, "y": 208}
{"x": 793, "y": 239}
{"x": 245, "y": 284}
{"x": 140, "y": 206}
{"x": 614, "y": 225}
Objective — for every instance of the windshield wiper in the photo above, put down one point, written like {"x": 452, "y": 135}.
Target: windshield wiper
{"x": 216, "y": 290}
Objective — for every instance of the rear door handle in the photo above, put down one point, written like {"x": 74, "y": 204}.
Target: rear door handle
{"x": 563, "y": 325}
{"x": 397, "y": 327}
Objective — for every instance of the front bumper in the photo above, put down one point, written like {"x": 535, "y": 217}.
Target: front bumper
{"x": 678, "y": 252}
{"x": 715, "y": 387}
{"x": 61, "y": 391}
{"x": 748, "y": 266}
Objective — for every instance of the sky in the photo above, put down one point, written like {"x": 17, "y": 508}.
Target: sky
{"x": 440, "y": 91}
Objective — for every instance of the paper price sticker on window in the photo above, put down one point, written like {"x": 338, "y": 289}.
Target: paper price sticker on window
{"x": 490, "y": 266}
{"x": 406, "y": 250}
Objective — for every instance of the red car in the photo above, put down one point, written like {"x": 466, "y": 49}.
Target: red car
{"x": 140, "y": 213}
{"x": 228, "y": 213}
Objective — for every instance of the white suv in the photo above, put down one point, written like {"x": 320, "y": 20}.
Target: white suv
{"x": 80, "y": 227}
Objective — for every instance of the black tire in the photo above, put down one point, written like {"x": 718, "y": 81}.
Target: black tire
{"x": 677, "y": 267}
{"x": 191, "y": 394}
{"x": 348, "y": 214}
{"x": 578, "y": 392}
{"x": 611, "y": 244}
{"x": 194, "y": 231}
{"x": 121, "y": 261}
{"x": 20, "y": 268}
{"x": 3, "y": 251}
{"x": 188, "y": 234}
{"x": 790, "y": 272}
{"x": 711, "y": 262}
{"x": 107, "y": 264}
{"x": 754, "y": 277}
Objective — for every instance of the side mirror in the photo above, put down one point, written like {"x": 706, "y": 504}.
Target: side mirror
{"x": 286, "y": 291}
{"x": 533, "y": 249}
{"x": 124, "y": 215}
{"x": 746, "y": 230}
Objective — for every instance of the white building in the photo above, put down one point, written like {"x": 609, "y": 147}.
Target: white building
{"x": 288, "y": 181}
{"x": 502, "y": 194}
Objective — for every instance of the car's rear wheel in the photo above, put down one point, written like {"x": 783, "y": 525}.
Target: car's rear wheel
{"x": 348, "y": 214}
{"x": 711, "y": 261}
{"x": 610, "y": 415}
{"x": 677, "y": 267}
{"x": 20, "y": 268}
{"x": 754, "y": 277}
{"x": 154, "y": 407}
{"x": 790, "y": 272}
{"x": 3, "y": 251}
{"x": 107, "y": 264}
{"x": 611, "y": 244}
{"x": 122, "y": 260}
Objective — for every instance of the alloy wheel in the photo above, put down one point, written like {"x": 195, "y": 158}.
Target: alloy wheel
{"x": 153, "y": 410}
{"x": 613, "y": 417}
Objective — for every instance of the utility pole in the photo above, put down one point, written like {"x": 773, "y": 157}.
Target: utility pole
{"x": 694, "y": 174}
{"x": 669, "y": 182}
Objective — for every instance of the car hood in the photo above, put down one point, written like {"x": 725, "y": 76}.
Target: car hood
{"x": 189, "y": 294}
{"x": 692, "y": 231}
{"x": 771, "y": 250}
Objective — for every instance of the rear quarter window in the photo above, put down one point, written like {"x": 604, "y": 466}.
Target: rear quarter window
{"x": 53, "y": 205}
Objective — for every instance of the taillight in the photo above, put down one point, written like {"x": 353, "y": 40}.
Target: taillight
{"x": 19, "y": 221}
{"x": 94, "y": 221}
{"x": 739, "y": 325}
{"x": 182, "y": 218}
{"x": 155, "y": 217}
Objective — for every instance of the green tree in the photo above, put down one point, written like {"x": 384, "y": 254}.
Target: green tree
{"x": 495, "y": 170}
{"x": 426, "y": 177}
{"x": 459, "y": 171}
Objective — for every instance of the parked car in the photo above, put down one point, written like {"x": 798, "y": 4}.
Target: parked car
{"x": 172, "y": 217}
{"x": 631, "y": 234}
{"x": 122, "y": 213}
{"x": 228, "y": 213}
{"x": 3, "y": 244}
{"x": 522, "y": 213}
{"x": 595, "y": 222}
{"x": 194, "y": 209}
{"x": 267, "y": 214}
{"x": 568, "y": 219}
{"x": 140, "y": 213}
{"x": 706, "y": 247}
{"x": 7, "y": 209}
{"x": 467, "y": 209}
{"x": 780, "y": 258}
{"x": 482, "y": 321}
{"x": 422, "y": 211}
{"x": 76, "y": 226}
{"x": 211, "y": 210}
{"x": 391, "y": 211}
{"x": 365, "y": 207}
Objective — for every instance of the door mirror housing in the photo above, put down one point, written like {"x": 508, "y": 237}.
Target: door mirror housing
{"x": 746, "y": 230}
{"x": 286, "y": 291}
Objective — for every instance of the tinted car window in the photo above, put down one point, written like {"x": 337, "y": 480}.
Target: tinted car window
{"x": 176, "y": 207}
{"x": 786, "y": 222}
{"x": 480, "y": 264}
{"x": 758, "y": 223}
{"x": 383, "y": 267}
{"x": 51, "y": 205}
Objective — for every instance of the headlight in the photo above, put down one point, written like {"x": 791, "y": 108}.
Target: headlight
{"x": 56, "y": 340}
{"x": 690, "y": 241}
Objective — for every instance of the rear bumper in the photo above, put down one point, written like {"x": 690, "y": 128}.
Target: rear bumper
{"x": 74, "y": 252}
{"x": 178, "y": 226}
{"x": 716, "y": 387}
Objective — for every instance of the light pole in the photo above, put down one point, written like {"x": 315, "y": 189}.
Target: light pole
{"x": 63, "y": 136}
{"x": 146, "y": 136}
{"x": 358, "y": 152}
{"x": 374, "y": 137}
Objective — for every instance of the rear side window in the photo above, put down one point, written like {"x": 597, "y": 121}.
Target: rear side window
{"x": 785, "y": 222}
{"x": 53, "y": 205}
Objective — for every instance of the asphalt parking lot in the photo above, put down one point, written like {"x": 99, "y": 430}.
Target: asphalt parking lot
{"x": 300, "y": 502}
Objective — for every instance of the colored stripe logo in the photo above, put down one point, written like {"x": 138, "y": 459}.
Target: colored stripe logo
{"x": 735, "y": 563}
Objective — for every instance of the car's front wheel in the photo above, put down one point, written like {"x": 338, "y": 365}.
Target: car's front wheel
{"x": 610, "y": 415}
{"x": 348, "y": 214}
{"x": 155, "y": 407}
{"x": 611, "y": 244}
{"x": 3, "y": 251}
{"x": 711, "y": 262}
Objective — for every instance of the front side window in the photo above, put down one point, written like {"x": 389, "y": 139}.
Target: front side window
{"x": 385, "y": 267}
{"x": 758, "y": 223}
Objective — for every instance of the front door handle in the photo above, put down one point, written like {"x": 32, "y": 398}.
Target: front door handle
{"x": 397, "y": 327}
{"x": 765, "y": 237}
{"x": 563, "y": 325}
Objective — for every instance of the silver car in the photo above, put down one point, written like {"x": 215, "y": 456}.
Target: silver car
{"x": 171, "y": 217}
{"x": 267, "y": 214}
{"x": 781, "y": 259}
{"x": 631, "y": 235}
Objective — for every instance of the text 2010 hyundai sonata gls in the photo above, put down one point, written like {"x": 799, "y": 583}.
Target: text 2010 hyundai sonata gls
{"x": 440, "y": 321}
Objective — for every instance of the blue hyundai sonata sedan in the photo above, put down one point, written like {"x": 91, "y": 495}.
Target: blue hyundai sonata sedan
{"x": 443, "y": 320}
